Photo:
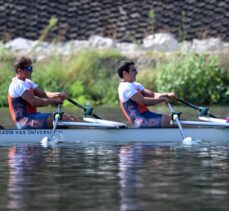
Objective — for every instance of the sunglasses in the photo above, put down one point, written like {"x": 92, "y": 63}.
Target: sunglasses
{"x": 29, "y": 68}
{"x": 134, "y": 70}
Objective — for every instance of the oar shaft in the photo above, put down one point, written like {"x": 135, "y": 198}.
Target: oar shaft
{"x": 180, "y": 128}
{"x": 86, "y": 110}
{"x": 57, "y": 118}
{"x": 189, "y": 104}
{"x": 76, "y": 104}
{"x": 203, "y": 111}
{"x": 54, "y": 127}
{"x": 177, "y": 120}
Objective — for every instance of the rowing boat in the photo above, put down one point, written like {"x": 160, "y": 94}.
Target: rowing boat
{"x": 208, "y": 128}
{"x": 114, "y": 134}
{"x": 99, "y": 130}
{"x": 14, "y": 136}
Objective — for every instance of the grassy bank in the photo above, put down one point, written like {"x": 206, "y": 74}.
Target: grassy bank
{"x": 90, "y": 76}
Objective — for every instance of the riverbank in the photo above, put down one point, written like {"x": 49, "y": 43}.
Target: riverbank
{"x": 89, "y": 75}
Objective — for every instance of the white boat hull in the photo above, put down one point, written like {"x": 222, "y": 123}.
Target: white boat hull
{"x": 14, "y": 136}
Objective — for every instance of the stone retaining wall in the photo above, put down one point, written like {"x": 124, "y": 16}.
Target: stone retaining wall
{"x": 124, "y": 20}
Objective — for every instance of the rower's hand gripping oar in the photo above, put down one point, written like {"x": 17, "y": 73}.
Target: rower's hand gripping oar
{"x": 203, "y": 111}
{"x": 57, "y": 116}
{"x": 176, "y": 116}
{"x": 88, "y": 111}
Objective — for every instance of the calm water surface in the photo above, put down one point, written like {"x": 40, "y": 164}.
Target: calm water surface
{"x": 115, "y": 176}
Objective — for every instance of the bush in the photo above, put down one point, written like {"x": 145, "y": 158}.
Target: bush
{"x": 198, "y": 78}
{"x": 148, "y": 77}
{"x": 95, "y": 71}
{"x": 89, "y": 73}
{"x": 6, "y": 74}
{"x": 51, "y": 75}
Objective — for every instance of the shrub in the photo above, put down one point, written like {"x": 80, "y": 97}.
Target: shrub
{"x": 51, "y": 75}
{"x": 148, "y": 77}
{"x": 89, "y": 75}
{"x": 199, "y": 78}
{"x": 95, "y": 71}
{"x": 6, "y": 74}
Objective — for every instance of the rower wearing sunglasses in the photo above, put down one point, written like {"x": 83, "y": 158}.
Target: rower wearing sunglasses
{"x": 25, "y": 96}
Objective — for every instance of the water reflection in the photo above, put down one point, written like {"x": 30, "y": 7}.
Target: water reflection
{"x": 130, "y": 159}
{"x": 118, "y": 177}
{"x": 163, "y": 177}
{"x": 24, "y": 164}
{"x": 138, "y": 171}
{"x": 21, "y": 162}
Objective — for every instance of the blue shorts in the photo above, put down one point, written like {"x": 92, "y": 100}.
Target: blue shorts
{"x": 148, "y": 119}
{"x": 34, "y": 121}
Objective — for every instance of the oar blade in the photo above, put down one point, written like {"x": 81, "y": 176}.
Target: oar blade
{"x": 44, "y": 142}
{"x": 189, "y": 141}
{"x": 57, "y": 138}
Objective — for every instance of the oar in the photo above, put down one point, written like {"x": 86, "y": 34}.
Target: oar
{"x": 57, "y": 117}
{"x": 87, "y": 111}
{"x": 203, "y": 111}
{"x": 186, "y": 140}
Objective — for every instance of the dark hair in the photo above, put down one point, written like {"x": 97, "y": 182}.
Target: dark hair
{"x": 124, "y": 66}
{"x": 22, "y": 62}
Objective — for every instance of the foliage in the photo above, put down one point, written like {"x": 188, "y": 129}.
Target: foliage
{"x": 183, "y": 30}
{"x": 5, "y": 54}
{"x": 198, "y": 78}
{"x": 6, "y": 73}
{"x": 92, "y": 68}
{"x": 148, "y": 78}
{"x": 90, "y": 76}
{"x": 52, "y": 23}
{"x": 151, "y": 21}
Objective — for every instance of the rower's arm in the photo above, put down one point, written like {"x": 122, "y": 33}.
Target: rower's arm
{"x": 57, "y": 95}
{"x": 170, "y": 95}
{"x": 54, "y": 95}
{"x": 38, "y": 102}
{"x": 148, "y": 101}
{"x": 148, "y": 93}
{"x": 40, "y": 93}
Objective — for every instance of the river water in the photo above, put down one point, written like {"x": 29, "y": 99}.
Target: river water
{"x": 115, "y": 176}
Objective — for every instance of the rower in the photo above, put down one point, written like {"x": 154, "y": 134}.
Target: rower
{"x": 134, "y": 99}
{"x": 25, "y": 96}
